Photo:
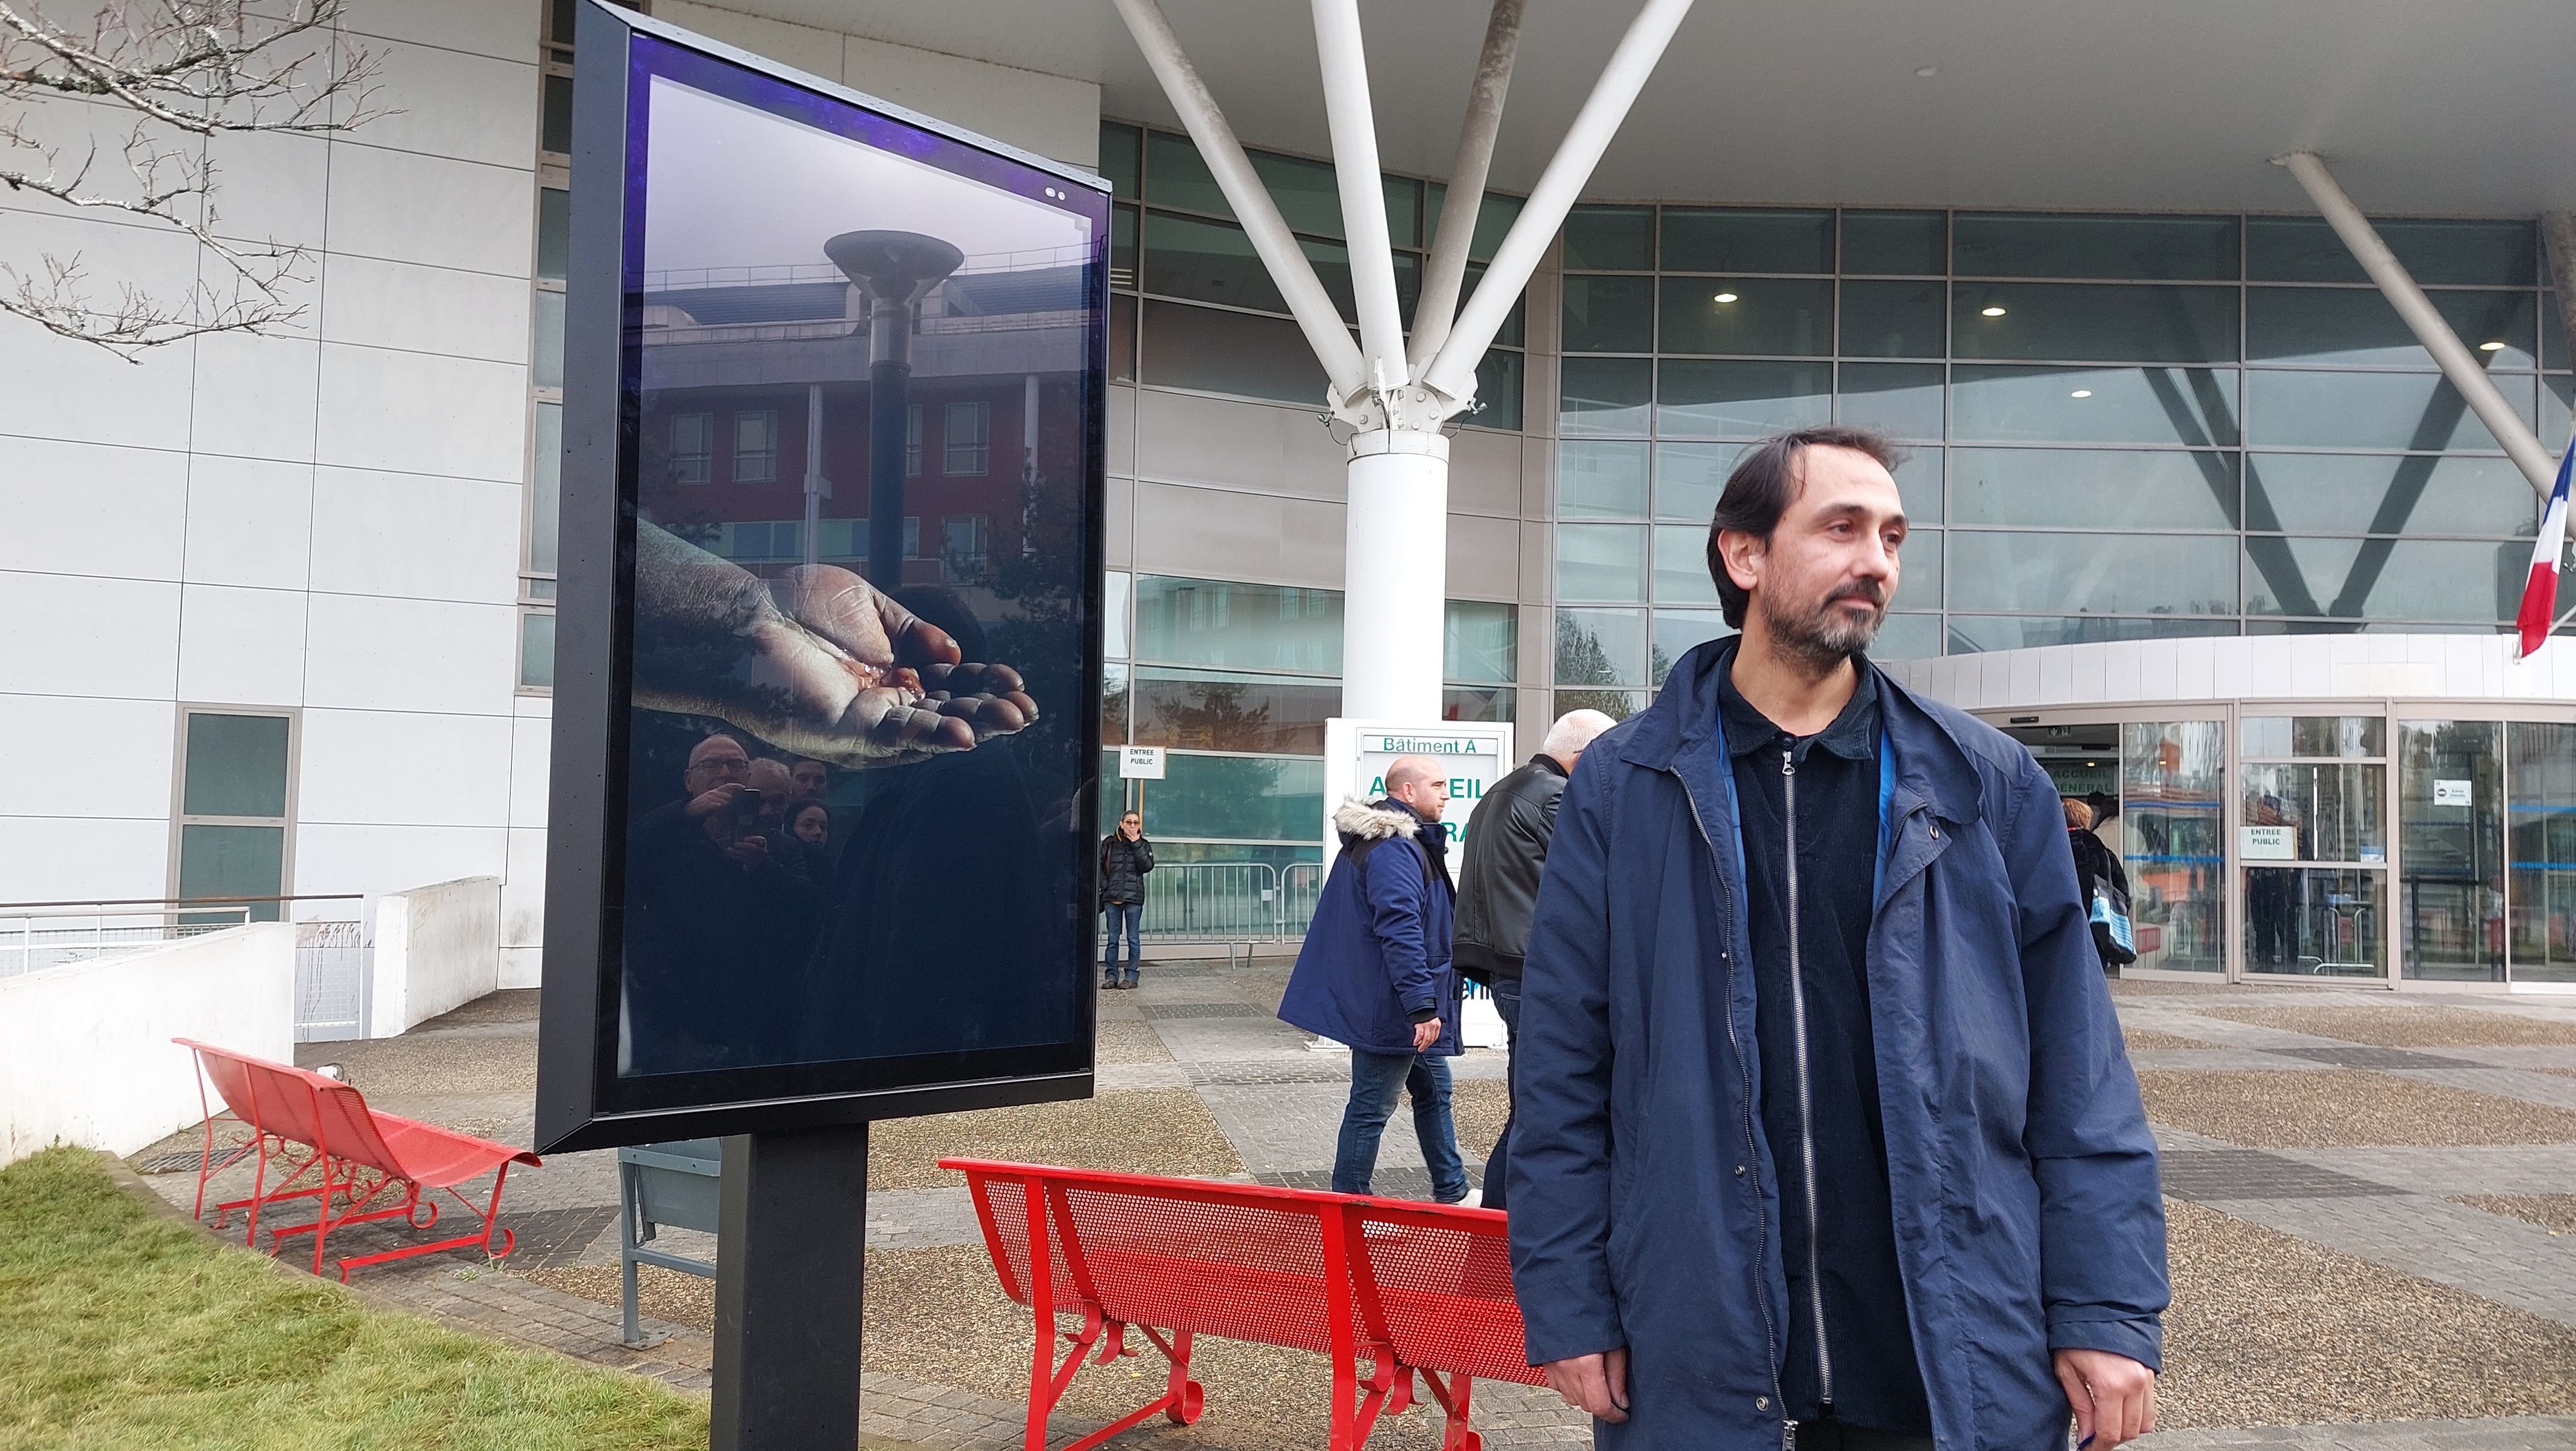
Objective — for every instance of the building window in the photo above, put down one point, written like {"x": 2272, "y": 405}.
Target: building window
{"x": 693, "y": 448}
{"x": 967, "y": 447}
{"x": 964, "y": 541}
{"x": 912, "y": 441}
{"x": 235, "y": 781}
{"x": 755, "y": 446}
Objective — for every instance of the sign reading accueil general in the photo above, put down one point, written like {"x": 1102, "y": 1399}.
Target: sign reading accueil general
{"x": 1357, "y": 753}
{"x": 828, "y": 660}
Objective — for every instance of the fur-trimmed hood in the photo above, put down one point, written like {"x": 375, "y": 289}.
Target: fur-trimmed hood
{"x": 1362, "y": 820}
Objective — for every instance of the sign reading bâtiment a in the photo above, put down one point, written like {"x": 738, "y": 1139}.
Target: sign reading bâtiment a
{"x": 1474, "y": 755}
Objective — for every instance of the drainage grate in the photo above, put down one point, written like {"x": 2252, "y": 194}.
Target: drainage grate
{"x": 2361, "y": 1057}
{"x": 1201, "y": 1010}
{"x": 2202, "y": 1174}
{"x": 177, "y": 1161}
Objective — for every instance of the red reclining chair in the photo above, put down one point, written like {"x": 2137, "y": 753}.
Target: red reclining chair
{"x": 356, "y": 1164}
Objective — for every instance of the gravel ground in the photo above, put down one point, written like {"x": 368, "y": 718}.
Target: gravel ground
{"x": 939, "y": 1315}
{"x": 2268, "y": 1330}
{"x": 1138, "y": 1131}
{"x": 2343, "y": 1108}
{"x": 2553, "y": 1212}
{"x": 2406, "y": 1025}
{"x": 2150, "y": 1038}
{"x": 1478, "y": 1106}
{"x": 1131, "y": 1041}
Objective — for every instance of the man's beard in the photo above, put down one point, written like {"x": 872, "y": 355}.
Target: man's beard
{"x": 1824, "y": 636}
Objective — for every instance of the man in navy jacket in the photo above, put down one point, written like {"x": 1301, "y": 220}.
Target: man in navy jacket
{"x": 1825, "y": 1136}
{"x": 1374, "y": 973}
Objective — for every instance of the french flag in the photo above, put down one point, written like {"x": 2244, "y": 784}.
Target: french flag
{"x": 2540, "y": 596}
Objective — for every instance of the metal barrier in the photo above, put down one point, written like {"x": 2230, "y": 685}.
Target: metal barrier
{"x": 1249, "y": 903}
{"x": 331, "y": 957}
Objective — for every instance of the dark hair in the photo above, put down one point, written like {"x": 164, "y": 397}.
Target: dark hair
{"x": 802, "y": 807}
{"x": 1764, "y": 482}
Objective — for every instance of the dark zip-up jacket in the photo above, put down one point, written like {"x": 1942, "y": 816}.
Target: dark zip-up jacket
{"x": 1498, "y": 881}
{"x": 1123, "y": 865}
{"x": 1645, "y": 1189}
{"x": 1818, "y": 796}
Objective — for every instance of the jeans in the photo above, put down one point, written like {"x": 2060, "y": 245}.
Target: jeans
{"x": 1507, "y": 1001}
{"x": 1376, "y": 1079}
{"x": 1133, "y": 915}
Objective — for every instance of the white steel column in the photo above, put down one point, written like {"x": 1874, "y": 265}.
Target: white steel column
{"x": 1394, "y": 579}
{"x": 1447, "y": 269}
{"x": 1453, "y": 372}
{"x": 2500, "y": 417}
{"x": 1355, "y": 171}
{"x": 1280, "y": 255}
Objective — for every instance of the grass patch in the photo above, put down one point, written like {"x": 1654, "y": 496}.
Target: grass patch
{"x": 120, "y": 1327}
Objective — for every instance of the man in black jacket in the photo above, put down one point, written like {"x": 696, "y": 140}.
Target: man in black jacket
{"x": 1125, "y": 857}
{"x": 1498, "y": 887}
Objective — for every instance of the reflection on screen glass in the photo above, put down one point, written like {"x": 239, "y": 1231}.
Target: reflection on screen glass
{"x": 860, "y": 363}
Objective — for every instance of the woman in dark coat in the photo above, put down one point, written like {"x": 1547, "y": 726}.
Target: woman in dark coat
{"x": 2095, "y": 864}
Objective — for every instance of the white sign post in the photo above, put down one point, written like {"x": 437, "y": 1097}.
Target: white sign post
{"x": 1477, "y": 753}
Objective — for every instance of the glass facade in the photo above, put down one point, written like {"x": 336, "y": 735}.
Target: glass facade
{"x": 2440, "y": 842}
{"x": 2117, "y": 427}
{"x": 1197, "y": 310}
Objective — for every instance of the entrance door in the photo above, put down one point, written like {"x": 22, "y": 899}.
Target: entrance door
{"x": 2313, "y": 841}
{"x": 2156, "y": 790}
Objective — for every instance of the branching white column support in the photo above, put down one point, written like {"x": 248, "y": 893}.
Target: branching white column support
{"x": 1453, "y": 371}
{"x": 1447, "y": 269}
{"x": 1355, "y": 168}
{"x": 1394, "y": 580}
{"x": 2537, "y": 463}
{"x": 1280, "y": 255}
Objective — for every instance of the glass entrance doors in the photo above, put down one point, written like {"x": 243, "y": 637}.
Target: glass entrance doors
{"x": 2156, "y": 790}
{"x": 2313, "y": 840}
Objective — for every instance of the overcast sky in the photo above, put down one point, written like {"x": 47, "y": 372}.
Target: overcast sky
{"x": 737, "y": 187}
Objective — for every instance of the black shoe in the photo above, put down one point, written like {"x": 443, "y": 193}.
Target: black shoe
{"x": 1129, "y": 983}
{"x": 1108, "y": 982}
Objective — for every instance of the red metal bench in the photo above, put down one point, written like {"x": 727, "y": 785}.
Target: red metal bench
{"x": 354, "y": 1163}
{"x": 1406, "y": 1287}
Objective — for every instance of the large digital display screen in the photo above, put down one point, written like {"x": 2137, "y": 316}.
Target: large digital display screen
{"x": 843, "y": 467}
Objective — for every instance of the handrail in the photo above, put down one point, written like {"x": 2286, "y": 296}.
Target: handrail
{"x": 189, "y": 904}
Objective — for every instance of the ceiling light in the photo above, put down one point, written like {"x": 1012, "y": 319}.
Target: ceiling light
{"x": 2081, "y": 393}
{"x": 1927, "y": 72}
{"x": 1725, "y": 297}
{"x": 2491, "y": 347}
{"x": 1992, "y": 311}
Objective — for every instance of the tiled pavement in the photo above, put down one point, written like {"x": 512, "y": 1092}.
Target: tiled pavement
{"x": 1278, "y": 1101}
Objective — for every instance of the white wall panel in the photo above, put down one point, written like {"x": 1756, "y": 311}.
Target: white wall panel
{"x": 523, "y": 899}
{"x": 253, "y": 397}
{"x": 242, "y": 646}
{"x": 457, "y": 104}
{"x": 1485, "y": 473}
{"x": 1223, "y": 534}
{"x": 425, "y": 309}
{"x": 399, "y": 654}
{"x": 392, "y": 858}
{"x": 1054, "y": 116}
{"x": 426, "y": 537}
{"x": 84, "y": 858}
{"x": 80, "y": 756}
{"x": 407, "y": 207}
{"x": 1183, "y": 438}
{"x": 811, "y": 50}
{"x": 531, "y": 747}
{"x": 398, "y": 768}
{"x": 1484, "y": 557}
{"x": 249, "y": 522}
{"x": 54, "y": 388}
{"x": 78, "y": 635}
{"x": 72, "y": 508}
{"x": 270, "y": 185}
{"x": 503, "y": 28}
{"x": 422, "y": 414}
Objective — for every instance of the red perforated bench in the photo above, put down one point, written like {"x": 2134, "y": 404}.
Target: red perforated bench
{"x": 1406, "y": 1287}
{"x": 356, "y": 1164}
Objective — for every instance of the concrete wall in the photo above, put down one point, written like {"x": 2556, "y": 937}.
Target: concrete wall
{"x": 85, "y": 1050}
{"x": 437, "y": 949}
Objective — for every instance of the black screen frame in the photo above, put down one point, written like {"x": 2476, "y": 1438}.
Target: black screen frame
{"x": 582, "y": 1102}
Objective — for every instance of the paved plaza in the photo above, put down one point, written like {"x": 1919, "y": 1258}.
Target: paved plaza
{"x": 2373, "y": 1204}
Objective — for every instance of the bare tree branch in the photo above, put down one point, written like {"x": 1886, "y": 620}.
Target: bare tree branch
{"x": 188, "y": 70}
